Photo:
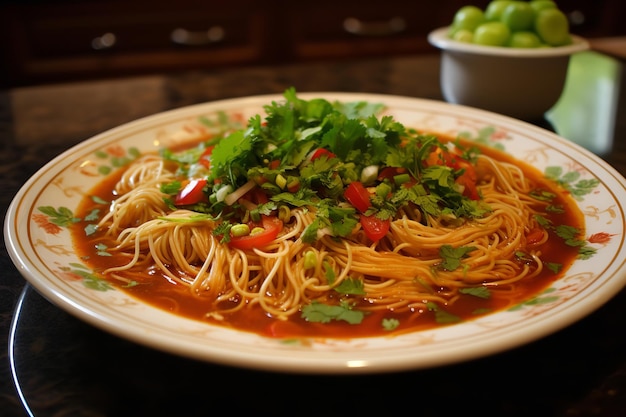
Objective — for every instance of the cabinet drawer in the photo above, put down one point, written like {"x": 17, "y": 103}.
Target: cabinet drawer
{"x": 100, "y": 38}
{"x": 363, "y": 28}
{"x": 87, "y": 34}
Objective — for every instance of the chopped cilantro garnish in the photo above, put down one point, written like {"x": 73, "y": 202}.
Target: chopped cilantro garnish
{"x": 390, "y": 324}
{"x": 442, "y": 316}
{"x": 323, "y": 313}
{"x": 350, "y": 286}
{"x": 451, "y": 256}
{"x": 480, "y": 292}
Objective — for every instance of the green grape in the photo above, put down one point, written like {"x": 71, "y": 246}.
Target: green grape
{"x": 524, "y": 39}
{"x": 512, "y": 23}
{"x": 468, "y": 17}
{"x": 539, "y": 5}
{"x": 492, "y": 33}
{"x": 518, "y": 15}
{"x": 552, "y": 27}
{"x": 494, "y": 9}
{"x": 464, "y": 35}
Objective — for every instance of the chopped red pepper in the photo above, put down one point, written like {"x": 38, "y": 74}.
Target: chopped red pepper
{"x": 322, "y": 152}
{"x": 390, "y": 172}
{"x": 534, "y": 236}
{"x": 374, "y": 227}
{"x": 191, "y": 193}
{"x": 274, "y": 164}
{"x": 205, "y": 158}
{"x": 271, "y": 225}
{"x": 358, "y": 196}
{"x": 453, "y": 160}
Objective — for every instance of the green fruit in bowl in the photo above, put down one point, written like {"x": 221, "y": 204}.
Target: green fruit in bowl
{"x": 552, "y": 27}
{"x": 512, "y": 23}
{"x": 492, "y": 34}
{"x": 494, "y": 9}
{"x": 468, "y": 17}
{"x": 524, "y": 39}
{"x": 518, "y": 15}
{"x": 539, "y": 5}
{"x": 463, "y": 35}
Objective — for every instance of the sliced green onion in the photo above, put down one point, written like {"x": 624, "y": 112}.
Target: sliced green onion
{"x": 281, "y": 181}
{"x": 220, "y": 195}
{"x": 232, "y": 198}
{"x": 383, "y": 189}
{"x": 369, "y": 174}
{"x": 401, "y": 178}
{"x": 240, "y": 229}
{"x": 257, "y": 230}
{"x": 310, "y": 259}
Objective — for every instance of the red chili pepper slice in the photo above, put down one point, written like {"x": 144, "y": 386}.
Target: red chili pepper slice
{"x": 205, "y": 158}
{"x": 322, "y": 152}
{"x": 191, "y": 193}
{"x": 358, "y": 196}
{"x": 272, "y": 226}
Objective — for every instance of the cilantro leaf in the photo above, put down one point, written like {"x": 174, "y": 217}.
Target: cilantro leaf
{"x": 451, "y": 256}
{"x": 229, "y": 151}
{"x": 351, "y": 286}
{"x": 442, "y": 316}
{"x": 317, "y": 312}
{"x": 480, "y": 292}
{"x": 62, "y": 216}
{"x": 390, "y": 324}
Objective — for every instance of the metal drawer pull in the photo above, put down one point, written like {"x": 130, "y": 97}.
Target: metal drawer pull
{"x": 182, "y": 36}
{"x": 106, "y": 41}
{"x": 392, "y": 26}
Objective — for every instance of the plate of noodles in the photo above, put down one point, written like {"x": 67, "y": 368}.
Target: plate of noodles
{"x": 324, "y": 232}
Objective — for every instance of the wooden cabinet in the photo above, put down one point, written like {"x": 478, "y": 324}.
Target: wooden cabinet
{"x": 339, "y": 29}
{"x": 58, "y": 40}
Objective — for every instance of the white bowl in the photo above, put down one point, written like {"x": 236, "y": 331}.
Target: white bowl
{"x": 520, "y": 82}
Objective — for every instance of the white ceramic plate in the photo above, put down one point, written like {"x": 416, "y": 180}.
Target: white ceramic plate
{"x": 43, "y": 251}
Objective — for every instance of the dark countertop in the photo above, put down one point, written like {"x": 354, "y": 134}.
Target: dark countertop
{"x": 65, "y": 367}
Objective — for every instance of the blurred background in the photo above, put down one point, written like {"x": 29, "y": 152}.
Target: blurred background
{"x": 49, "y": 41}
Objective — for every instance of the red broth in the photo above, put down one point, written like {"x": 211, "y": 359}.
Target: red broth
{"x": 157, "y": 290}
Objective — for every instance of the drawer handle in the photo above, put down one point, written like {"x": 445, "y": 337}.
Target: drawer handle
{"x": 186, "y": 37}
{"x": 576, "y": 18}
{"x": 106, "y": 41}
{"x": 392, "y": 26}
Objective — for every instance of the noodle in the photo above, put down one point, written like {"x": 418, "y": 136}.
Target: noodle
{"x": 400, "y": 271}
{"x": 275, "y": 278}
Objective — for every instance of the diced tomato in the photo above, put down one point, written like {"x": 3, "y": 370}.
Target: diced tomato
{"x": 534, "y": 236}
{"x": 453, "y": 160}
{"x": 271, "y": 225}
{"x": 284, "y": 329}
{"x": 390, "y": 172}
{"x": 322, "y": 152}
{"x": 191, "y": 193}
{"x": 374, "y": 227}
{"x": 293, "y": 185}
{"x": 258, "y": 195}
{"x": 467, "y": 179}
{"x": 358, "y": 196}
{"x": 469, "y": 186}
{"x": 274, "y": 164}
{"x": 205, "y": 158}
{"x": 436, "y": 157}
